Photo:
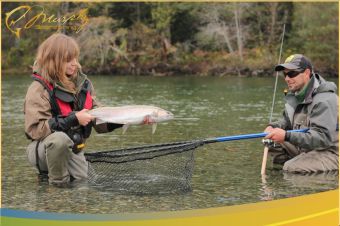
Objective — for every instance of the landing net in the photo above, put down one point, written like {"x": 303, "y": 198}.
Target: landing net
{"x": 150, "y": 169}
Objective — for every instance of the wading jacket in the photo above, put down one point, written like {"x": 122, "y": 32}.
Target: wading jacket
{"x": 318, "y": 112}
{"x": 40, "y": 117}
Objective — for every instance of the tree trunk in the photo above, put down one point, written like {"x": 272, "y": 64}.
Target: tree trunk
{"x": 273, "y": 12}
{"x": 259, "y": 25}
{"x": 238, "y": 31}
{"x": 138, "y": 11}
{"x": 63, "y": 10}
{"x": 225, "y": 29}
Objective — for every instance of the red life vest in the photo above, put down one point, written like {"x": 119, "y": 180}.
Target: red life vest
{"x": 63, "y": 103}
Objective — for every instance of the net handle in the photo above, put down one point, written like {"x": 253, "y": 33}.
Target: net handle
{"x": 246, "y": 136}
{"x": 179, "y": 146}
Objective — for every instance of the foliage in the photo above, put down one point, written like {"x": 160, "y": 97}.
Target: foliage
{"x": 161, "y": 17}
{"x": 221, "y": 38}
{"x": 99, "y": 44}
{"x": 313, "y": 25}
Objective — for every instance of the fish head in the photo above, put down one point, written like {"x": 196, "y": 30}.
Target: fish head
{"x": 162, "y": 115}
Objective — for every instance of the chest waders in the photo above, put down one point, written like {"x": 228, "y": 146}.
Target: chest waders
{"x": 62, "y": 104}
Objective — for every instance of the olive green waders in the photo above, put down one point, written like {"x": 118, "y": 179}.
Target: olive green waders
{"x": 295, "y": 160}
{"x": 56, "y": 158}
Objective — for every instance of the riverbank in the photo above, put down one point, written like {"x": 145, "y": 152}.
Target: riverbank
{"x": 254, "y": 63}
{"x": 198, "y": 63}
{"x": 172, "y": 70}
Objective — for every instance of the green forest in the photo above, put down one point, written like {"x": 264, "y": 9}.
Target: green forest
{"x": 182, "y": 38}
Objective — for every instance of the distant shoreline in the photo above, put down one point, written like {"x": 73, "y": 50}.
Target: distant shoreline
{"x": 170, "y": 71}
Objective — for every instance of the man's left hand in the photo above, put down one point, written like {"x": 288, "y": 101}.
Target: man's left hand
{"x": 277, "y": 135}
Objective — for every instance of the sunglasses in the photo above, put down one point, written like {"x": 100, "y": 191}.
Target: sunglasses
{"x": 292, "y": 74}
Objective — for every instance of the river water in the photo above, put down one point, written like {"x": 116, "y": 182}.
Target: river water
{"x": 224, "y": 173}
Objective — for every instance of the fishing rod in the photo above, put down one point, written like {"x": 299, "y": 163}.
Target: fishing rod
{"x": 277, "y": 76}
{"x": 245, "y": 136}
{"x": 265, "y": 151}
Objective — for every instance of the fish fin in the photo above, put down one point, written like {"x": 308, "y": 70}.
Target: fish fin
{"x": 154, "y": 127}
{"x": 148, "y": 119}
{"x": 125, "y": 127}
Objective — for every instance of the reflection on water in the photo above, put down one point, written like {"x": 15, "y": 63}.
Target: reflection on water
{"x": 326, "y": 179}
{"x": 224, "y": 173}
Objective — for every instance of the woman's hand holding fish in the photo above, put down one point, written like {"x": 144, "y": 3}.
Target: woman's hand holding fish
{"x": 84, "y": 117}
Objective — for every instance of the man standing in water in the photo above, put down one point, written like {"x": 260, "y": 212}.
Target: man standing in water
{"x": 311, "y": 103}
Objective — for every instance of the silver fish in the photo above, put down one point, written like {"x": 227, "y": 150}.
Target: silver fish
{"x": 131, "y": 115}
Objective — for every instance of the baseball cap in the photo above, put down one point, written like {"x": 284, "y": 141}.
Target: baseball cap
{"x": 295, "y": 62}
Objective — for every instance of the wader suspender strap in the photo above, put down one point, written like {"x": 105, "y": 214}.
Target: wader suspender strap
{"x": 54, "y": 105}
{"x": 37, "y": 159}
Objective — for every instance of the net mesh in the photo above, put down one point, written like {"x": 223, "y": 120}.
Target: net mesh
{"x": 151, "y": 169}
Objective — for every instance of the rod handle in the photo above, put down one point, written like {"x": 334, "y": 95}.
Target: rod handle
{"x": 264, "y": 160}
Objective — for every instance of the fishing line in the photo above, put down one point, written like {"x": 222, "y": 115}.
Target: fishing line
{"x": 277, "y": 75}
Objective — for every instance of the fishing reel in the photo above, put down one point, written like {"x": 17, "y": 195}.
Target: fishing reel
{"x": 269, "y": 142}
{"x": 78, "y": 143}
{"x": 76, "y": 135}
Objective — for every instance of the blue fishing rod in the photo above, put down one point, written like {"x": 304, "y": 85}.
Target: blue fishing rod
{"x": 246, "y": 136}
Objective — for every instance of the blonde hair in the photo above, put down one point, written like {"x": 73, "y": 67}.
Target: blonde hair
{"x": 52, "y": 56}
